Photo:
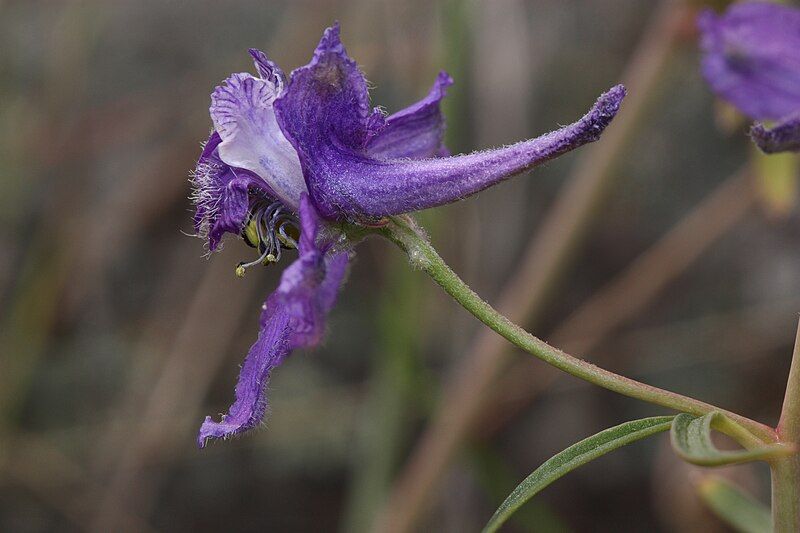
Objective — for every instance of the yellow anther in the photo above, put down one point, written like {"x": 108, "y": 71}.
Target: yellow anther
{"x": 250, "y": 233}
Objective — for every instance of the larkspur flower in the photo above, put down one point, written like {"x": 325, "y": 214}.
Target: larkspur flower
{"x": 751, "y": 58}
{"x": 289, "y": 164}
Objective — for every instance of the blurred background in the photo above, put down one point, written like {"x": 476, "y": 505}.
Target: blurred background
{"x": 117, "y": 336}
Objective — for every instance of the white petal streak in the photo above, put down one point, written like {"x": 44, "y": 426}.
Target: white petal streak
{"x": 243, "y": 116}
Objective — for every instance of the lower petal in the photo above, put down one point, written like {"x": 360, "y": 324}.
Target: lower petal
{"x": 293, "y": 317}
{"x": 248, "y": 410}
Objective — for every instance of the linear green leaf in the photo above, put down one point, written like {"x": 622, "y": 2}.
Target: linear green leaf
{"x": 737, "y": 509}
{"x": 571, "y": 458}
{"x": 691, "y": 440}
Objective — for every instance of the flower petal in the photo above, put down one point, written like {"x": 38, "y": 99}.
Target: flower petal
{"x": 248, "y": 410}
{"x": 752, "y": 57}
{"x": 306, "y": 285}
{"x": 292, "y": 317}
{"x": 219, "y": 194}
{"x": 325, "y": 115}
{"x": 784, "y": 137}
{"x": 416, "y": 131}
{"x": 244, "y": 118}
{"x": 268, "y": 70}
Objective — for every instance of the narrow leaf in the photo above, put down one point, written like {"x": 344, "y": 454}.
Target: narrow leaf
{"x": 732, "y": 505}
{"x": 576, "y": 455}
{"x": 691, "y": 439}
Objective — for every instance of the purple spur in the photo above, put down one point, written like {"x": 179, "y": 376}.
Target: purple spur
{"x": 291, "y": 162}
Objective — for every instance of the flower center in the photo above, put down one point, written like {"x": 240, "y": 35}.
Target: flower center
{"x": 270, "y": 228}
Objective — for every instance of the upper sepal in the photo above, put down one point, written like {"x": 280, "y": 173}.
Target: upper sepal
{"x": 325, "y": 114}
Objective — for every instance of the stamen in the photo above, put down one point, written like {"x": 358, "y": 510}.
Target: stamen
{"x": 270, "y": 229}
{"x": 286, "y": 240}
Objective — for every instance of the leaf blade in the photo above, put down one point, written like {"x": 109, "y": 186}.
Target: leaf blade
{"x": 574, "y": 456}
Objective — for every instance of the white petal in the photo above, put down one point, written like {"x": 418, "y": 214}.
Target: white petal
{"x": 243, "y": 116}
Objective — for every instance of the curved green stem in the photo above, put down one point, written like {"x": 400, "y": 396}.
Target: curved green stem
{"x": 404, "y": 232}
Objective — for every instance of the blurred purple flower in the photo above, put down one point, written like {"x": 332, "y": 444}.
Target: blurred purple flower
{"x": 288, "y": 164}
{"x": 751, "y": 58}
{"x": 783, "y": 137}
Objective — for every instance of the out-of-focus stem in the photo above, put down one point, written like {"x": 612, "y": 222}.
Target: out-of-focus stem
{"x": 525, "y": 294}
{"x": 386, "y": 420}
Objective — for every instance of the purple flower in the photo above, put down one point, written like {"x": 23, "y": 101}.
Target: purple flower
{"x": 288, "y": 165}
{"x": 751, "y": 58}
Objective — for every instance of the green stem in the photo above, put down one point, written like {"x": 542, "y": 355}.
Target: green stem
{"x": 786, "y": 472}
{"x": 404, "y": 232}
{"x": 789, "y": 425}
{"x": 786, "y": 494}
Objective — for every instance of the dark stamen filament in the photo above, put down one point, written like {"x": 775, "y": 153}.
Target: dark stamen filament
{"x": 274, "y": 228}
